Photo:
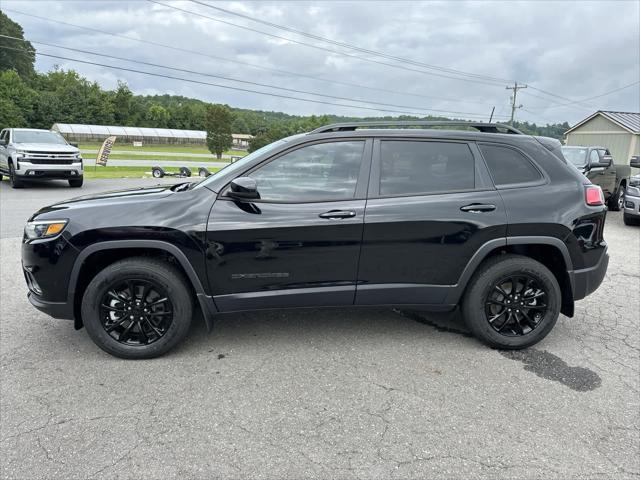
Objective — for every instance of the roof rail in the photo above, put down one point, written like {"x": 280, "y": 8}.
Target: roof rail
{"x": 482, "y": 127}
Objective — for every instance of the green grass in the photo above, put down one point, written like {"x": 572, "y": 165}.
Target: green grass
{"x": 127, "y": 172}
{"x": 158, "y": 148}
{"x": 126, "y": 156}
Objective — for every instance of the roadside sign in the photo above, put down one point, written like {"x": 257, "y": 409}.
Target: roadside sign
{"x": 105, "y": 150}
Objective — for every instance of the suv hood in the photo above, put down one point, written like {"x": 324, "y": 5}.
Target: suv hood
{"x": 46, "y": 147}
{"x": 124, "y": 198}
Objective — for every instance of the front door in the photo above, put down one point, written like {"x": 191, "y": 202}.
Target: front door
{"x": 604, "y": 177}
{"x": 4, "y": 135}
{"x": 298, "y": 245}
{"x": 431, "y": 207}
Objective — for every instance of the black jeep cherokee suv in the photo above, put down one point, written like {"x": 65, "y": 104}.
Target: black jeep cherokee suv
{"x": 350, "y": 214}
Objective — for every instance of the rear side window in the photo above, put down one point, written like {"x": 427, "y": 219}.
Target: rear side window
{"x": 425, "y": 167}
{"x": 508, "y": 166}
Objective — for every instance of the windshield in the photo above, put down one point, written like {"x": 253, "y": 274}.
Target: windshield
{"x": 35, "y": 136}
{"x": 240, "y": 164}
{"x": 577, "y": 156}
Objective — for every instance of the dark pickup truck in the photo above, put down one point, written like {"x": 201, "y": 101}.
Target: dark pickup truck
{"x": 597, "y": 164}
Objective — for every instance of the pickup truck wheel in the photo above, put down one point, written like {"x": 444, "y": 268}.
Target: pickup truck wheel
{"x": 137, "y": 308}
{"x": 616, "y": 202}
{"x": 76, "y": 182}
{"x": 13, "y": 178}
{"x": 512, "y": 302}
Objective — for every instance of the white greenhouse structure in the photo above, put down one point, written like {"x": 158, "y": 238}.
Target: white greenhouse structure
{"x": 97, "y": 133}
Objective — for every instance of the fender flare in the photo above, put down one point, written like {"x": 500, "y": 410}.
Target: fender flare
{"x": 206, "y": 301}
{"x": 453, "y": 297}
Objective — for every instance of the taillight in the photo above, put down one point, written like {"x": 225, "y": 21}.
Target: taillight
{"x": 593, "y": 195}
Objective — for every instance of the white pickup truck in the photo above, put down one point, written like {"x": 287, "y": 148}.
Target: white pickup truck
{"x": 28, "y": 154}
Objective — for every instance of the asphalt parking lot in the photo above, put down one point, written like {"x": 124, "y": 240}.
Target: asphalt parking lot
{"x": 326, "y": 393}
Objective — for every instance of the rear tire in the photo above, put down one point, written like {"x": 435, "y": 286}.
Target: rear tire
{"x": 76, "y": 182}
{"x": 529, "y": 310}
{"x": 145, "y": 338}
{"x": 616, "y": 202}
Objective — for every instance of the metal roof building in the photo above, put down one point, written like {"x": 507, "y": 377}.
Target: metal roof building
{"x": 97, "y": 133}
{"x": 618, "y": 131}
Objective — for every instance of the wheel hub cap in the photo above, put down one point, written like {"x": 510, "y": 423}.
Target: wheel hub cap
{"x": 516, "y": 305}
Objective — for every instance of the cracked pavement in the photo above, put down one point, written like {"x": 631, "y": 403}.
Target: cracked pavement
{"x": 323, "y": 393}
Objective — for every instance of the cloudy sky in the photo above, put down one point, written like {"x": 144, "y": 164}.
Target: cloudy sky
{"x": 452, "y": 58}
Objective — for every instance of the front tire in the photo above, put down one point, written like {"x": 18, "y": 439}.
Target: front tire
{"x": 137, "y": 308}
{"x": 512, "y": 302}
{"x": 76, "y": 182}
{"x": 616, "y": 202}
{"x": 13, "y": 178}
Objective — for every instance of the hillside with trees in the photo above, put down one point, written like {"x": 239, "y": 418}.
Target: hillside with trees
{"x": 38, "y": 100}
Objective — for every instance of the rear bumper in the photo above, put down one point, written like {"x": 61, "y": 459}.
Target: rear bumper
{"x": 587, "y": 280}
{"x": 61, "y": 310}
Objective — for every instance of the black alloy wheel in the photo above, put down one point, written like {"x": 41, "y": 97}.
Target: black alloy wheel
{"x": 516, "y": 305}
{"x": 138, "y": 307}
{"x": 136, "y": 312}
{"x": 511, "y": 302}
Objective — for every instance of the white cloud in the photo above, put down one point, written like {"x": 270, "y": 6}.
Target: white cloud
{"x": 573, "y": 49}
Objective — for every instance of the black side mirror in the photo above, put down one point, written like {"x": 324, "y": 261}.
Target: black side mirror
{"x": 607, "y": 160}
{"x": 74, "y": 144}
{"x": 243, "y": 188}
{"x": 635, "y": 161}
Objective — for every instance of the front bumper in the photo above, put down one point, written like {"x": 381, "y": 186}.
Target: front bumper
{"x": 28, "y": 170}
{"x": 587, "y": 280}
{"x": 61, "y": 310}
{"x": 631, "y": 206}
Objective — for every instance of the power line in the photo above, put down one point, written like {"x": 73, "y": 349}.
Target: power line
{"x": 351, "y": 46}
{"x": 572, "y": 101}
{"x": 171, "y": 77}
{"x": 590, "y": 98}
{"x": 318, "y": 47}
{"x": 261, "y": 67}
{"x": 354, "y": 100}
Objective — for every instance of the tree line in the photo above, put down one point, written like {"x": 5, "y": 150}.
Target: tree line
{"x": 38, "y": 100}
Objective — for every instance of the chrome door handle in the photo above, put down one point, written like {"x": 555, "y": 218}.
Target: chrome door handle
{"x": 478, "y": 208}
{"x": 338, "y": 214}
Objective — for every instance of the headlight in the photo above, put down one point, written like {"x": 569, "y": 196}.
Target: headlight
{"x": 21, "y": 153}
{"x": 44, "y": 228}
{"x": 633, "y": 191}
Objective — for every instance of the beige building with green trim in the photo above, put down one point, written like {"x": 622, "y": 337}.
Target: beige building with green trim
{"x": 617, "y": 131}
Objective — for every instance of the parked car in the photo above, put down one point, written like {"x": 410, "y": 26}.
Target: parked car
{"x": 27, "y": 154}
{"x": 597, "y": 164}
{"x": 493, "y": 221}
{"x": 631, "y": 213}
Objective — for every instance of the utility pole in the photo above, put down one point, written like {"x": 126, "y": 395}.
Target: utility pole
{"x": 515, "y": 89}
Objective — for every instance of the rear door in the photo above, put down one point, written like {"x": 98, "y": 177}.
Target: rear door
{"x": 431, "y": 207}
{"x": 298, "y": 245}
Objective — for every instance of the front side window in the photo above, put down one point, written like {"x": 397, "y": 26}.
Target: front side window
{"x": 315, "y": 173}
{"x": 508, "y": 166}
{"x": 594, "y": 157}
{"x": 575, "y": 155}
{"x": 414, "y": 167}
